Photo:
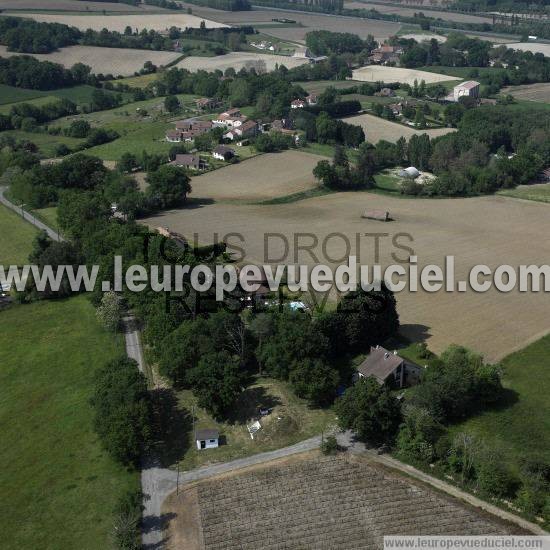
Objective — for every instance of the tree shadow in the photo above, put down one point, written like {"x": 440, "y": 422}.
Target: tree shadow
{"x": 415, "y": 332}
{"x": 248, "y": 404}
{"x": 156, "y": 523}
{"x": 174, "y": 424}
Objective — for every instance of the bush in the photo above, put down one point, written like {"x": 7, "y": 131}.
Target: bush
{"x": 329, "y": 445}
{"x": 494, "y": 477}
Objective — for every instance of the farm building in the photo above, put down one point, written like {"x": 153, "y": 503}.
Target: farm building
{"x": 206, "y": 103}
{"x": 466, "y": 89}
{"x": 388, "y": 368}
{"x": 378, "y": 215}
{"x": 245, "y": 130}
{"x": 173, "y": 136}
{"x": 297, "y": 104}
{"x": 207, "y": 439}
{"x": 385, "y": 54}
{"x": 228, "y": 116}
{"x": 193, "y": 162}
{"x": 312, "y": 99}
{"x": 221, "y": 152}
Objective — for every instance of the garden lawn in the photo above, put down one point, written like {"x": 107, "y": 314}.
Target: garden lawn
{"x": 59, "y": 487}
{"x": 291, "y": 420}
{"x": 537, "y": 192}
{"x": 522, "y": 426}
{"x": 16, "y": 237}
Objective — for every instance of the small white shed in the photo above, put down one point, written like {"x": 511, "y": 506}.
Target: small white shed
{"x": 410, "y": 172}
{"x": 207, "y": 439}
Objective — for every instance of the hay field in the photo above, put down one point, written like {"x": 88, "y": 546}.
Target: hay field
{"x": 493, "y": 323}
{"x": 263, "y": 177}
{"x": 531, "y": 47}
{"x": 377, "y": 128}
{"x": 378, "y": 73}
{"x": 310, "y": 501}
{"x": 156, "y": 22}
{"x": 530, "y": 92}
{"x": 238, "y": 60}
{"x": 116, "y": 61}
{"x": 409, "y": 12}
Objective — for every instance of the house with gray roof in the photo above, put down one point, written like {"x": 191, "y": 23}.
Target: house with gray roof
{"x": 387, "y": 367}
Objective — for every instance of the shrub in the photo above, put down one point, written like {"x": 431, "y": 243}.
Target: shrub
{"x": 329, "y": 445}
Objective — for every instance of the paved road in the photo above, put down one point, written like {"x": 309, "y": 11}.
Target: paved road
{"x": 27, "y": 216}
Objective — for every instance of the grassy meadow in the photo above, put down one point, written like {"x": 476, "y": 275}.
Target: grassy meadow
{"x": 59, "y": 486}
{"x": 521, "y": 427}
{"x": 16, "y": 237}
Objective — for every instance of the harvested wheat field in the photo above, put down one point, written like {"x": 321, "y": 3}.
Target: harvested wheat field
{"x": 492, "y": 323}
{"x": 530, "y": 92}
{"x": 377, "y": 73}
{"x": 377, "y": 128}
{"x": 73, "y": 5}
{"x": 315, "y": 502}
{"x": 156, "y": 22}
{"x": 531, "y": 47}
{"x": 115, "y": 61}
{"x": 260, "y": 178}
{"x": 409, "y": 12}
{"x": 381, "y": 30}
{"x": 237, "y": 60}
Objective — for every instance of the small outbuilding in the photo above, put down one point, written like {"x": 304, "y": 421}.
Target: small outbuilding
{"x": 207, "y": 438}
{"x": 221, "y": 152}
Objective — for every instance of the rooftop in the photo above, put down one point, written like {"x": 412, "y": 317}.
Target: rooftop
{"x": 380, "y": 363}
{"x": 206, "y": 433}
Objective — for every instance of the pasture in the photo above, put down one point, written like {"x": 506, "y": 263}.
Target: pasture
{"x": 537, "y": 192}
{"x": 377, "y": 128}
{"x": 16, "y": 238}
{"x": 149, "y": 21}
{"x": 59, "y": 486}
{"x": 312, "y": 501}
{"x": 492, "y": 322}
{"x": 46, "y": 143}
{"x": 523, "y": 427}
{"x": 115, "y": 61}
{"x": 260, "y": 178}
{"x": 237, "y": 60}
{"x": 530, "y": 92}
{"x": 378, "y": 73}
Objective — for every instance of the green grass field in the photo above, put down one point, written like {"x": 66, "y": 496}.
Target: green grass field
{"x": 59, "y": 487}
{"x": 45, "y": 142}
{"x": 522, "y": 425}
{"x": 81, "y": 95}
{"x": 48, "y": 216}
{"x": 10, "y": 94}
{"x": 540, "y": 193}
{"x": 462, "y": 72}
{"x": 137, "y": 81}
{"x": 16, "y": 237}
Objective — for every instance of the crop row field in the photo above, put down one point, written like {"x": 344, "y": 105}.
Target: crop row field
{"x": 434, "y": 229}
{"x": 149, "y": 21}
{"x": 237, "y": 60}
{"x": 531, "y": 47}
{"x": 309, "y": 501}
{"x": 115, "y": 61}
{"x": 530, "y": 92}
{"x": 378, "y": 73}
{"x": 377, "y": 128}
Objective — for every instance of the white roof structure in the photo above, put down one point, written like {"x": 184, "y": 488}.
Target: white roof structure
{"x": 410, "y": 172}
